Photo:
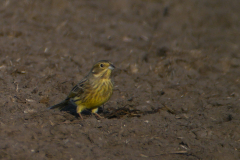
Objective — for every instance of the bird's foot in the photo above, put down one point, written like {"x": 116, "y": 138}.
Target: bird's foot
{"x": 80, "y": 116}
{"x": 100, "y": 117}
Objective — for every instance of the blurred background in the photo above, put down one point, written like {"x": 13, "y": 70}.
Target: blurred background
{"x": 177, "y": 67}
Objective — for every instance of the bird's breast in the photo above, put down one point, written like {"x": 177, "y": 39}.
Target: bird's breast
{"x": 99, "y": 94}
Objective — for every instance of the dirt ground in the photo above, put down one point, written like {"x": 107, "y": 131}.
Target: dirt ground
{"x": 177, "y": 82}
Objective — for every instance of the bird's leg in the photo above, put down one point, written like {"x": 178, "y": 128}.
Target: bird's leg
{"x": 94, "y": 111}
{"x": 98, "y": 116}
{"x": 80, "y": 108}
{"x": 80, "y": 116}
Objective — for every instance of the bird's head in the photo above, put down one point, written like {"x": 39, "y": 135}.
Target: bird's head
{"x": 102, "y": 69}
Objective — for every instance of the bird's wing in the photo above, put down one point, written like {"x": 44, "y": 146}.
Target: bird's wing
{"x": 78, "y": 89}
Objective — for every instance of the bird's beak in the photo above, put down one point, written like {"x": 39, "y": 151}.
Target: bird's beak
{"x": 112, "y": 67}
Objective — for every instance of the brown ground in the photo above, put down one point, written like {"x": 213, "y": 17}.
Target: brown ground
{"x": 177, "y": 86}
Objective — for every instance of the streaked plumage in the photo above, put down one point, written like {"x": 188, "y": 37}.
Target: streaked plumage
{"x": 92, "y": 91}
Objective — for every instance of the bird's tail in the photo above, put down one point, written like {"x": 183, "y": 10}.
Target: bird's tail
{"x": 60, "y": 105}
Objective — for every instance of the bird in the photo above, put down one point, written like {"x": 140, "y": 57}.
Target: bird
{"x": 92, "y": 91}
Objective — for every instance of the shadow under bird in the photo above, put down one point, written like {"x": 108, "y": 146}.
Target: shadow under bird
{"x": 92, "y": 91}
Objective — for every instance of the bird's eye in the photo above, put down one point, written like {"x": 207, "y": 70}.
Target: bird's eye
{"x": 101, "y": 65}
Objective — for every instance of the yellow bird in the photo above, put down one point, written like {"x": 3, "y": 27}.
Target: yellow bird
{"x": 92, "y": 91}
